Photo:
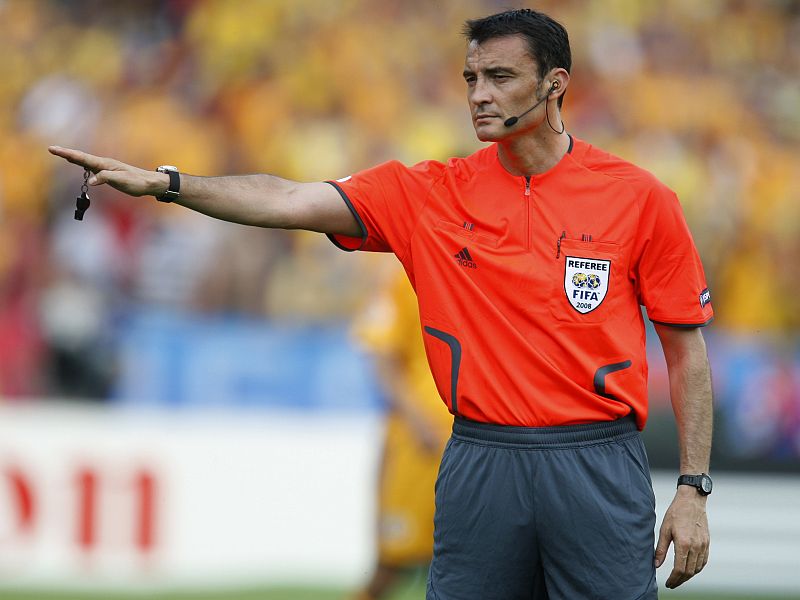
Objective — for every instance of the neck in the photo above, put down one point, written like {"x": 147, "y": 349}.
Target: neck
{"x": 533, "y": 152}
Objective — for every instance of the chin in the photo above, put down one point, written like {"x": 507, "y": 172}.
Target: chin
{"x": 489, "y": 134}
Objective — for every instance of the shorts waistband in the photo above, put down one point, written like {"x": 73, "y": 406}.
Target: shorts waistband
{"x": 543, "y": 437}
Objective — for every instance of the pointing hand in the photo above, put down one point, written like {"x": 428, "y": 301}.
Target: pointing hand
{"x": 123, "y": 177}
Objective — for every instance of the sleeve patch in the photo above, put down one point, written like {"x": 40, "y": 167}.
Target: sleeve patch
{"x": 705, "y": 298}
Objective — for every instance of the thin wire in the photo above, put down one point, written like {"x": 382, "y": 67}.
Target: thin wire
{"x": 547, "y": 114}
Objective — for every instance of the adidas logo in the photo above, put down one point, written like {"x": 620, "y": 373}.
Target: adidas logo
{"x": 464, "y": 259}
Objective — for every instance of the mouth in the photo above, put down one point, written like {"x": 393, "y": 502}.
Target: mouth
{"x": 484, "y": 117}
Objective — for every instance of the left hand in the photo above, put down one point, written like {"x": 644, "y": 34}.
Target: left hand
{"x": 686, "y": 525}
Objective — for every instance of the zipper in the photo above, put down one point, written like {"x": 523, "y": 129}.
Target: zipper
{"x": 558, "y": 244}
{"x": 528, "y": 203}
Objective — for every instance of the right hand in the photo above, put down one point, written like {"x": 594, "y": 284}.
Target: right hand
{"x": 125, "y": 178}
{"x": 685, "y": 526}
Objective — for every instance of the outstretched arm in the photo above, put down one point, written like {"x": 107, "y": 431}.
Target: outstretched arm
{"x": 262, "y": 200}
{"x": 685, "y": 523}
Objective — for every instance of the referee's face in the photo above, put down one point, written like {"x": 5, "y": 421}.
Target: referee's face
{"x": 501, "y": 83}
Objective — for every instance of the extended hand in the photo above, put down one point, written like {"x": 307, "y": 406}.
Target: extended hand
{"x": 685, "y": 524}
{"x": 125, "y": 178}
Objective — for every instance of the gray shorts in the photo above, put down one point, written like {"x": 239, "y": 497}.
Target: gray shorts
{"x": 557, "y": 513}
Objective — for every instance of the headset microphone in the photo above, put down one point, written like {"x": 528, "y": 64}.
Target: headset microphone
{"x": 511, "y": 121}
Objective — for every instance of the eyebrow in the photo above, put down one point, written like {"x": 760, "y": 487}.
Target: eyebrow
{"x": 490, "y": 71}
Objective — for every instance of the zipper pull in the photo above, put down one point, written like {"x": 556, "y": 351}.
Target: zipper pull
{"x": 527, "y": 186}
{"x": 558, "y": 244}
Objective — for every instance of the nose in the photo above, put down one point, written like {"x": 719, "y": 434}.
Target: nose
{"x": 479, "y": 93}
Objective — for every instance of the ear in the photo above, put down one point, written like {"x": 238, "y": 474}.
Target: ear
{"x": 559, "y": 80}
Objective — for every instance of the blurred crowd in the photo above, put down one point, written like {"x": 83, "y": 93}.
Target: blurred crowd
{"x": 704, "y": 94}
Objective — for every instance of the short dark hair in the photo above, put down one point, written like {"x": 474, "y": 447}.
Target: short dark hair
{"x": 548, "y": 42}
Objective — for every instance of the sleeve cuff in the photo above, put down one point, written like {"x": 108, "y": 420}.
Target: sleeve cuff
{"x": 344, "y": 242}
{"x": 683, "y": 325}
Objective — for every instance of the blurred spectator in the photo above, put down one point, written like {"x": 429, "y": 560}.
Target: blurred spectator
{"x": 417, "y": 428}
{"x": 22, "y": 352}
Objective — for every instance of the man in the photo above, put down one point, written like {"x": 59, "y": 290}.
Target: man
{"x": 530, "y": 259}
{"x": 416, "y": 432}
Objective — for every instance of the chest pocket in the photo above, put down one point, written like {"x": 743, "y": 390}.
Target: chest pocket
{"x": 461, "y": 232}
{"x": 586, "y": 281}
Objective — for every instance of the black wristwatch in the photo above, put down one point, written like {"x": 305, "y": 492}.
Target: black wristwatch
{"x": 702, "y": 482}
{"x": 174, "y": 190}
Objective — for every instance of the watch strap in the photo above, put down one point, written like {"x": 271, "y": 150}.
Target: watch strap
{"x": 173, "y": 191}
{"x": 696, "y": 481}
{"x": 693, "y": 480}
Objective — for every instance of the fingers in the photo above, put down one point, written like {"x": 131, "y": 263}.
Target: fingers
{"x": 705, "y": 556}
{"x": 690, "y": 558}
{"x": 101, "y": 177}
{"x": 685, "y": 526}
{"x": 129, "y": 182}
{"x": 664, "y": 539}
{"x": 683, "y": 569}
{"x": 88, "y": 161}
{"x": 702, "y": 556}
{"x": 702, "y": 560}
{"x": 123, "y": 177}
{"x": 105, "y": 176}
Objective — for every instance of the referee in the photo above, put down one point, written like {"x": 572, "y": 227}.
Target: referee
{"x": 530, "y": 259}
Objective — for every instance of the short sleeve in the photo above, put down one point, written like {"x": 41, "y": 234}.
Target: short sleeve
{"x": 387, "y": 202}
{"x": 670, "y": 279}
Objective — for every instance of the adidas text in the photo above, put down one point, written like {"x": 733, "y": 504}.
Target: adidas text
{"x": 464, "y": 259}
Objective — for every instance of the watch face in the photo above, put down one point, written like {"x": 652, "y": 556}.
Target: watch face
{"x": 705, "y": 484}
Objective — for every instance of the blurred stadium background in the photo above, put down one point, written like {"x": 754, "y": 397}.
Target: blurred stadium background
{"x": 181, "y": 407}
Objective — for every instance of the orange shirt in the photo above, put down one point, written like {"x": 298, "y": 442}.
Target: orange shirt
{"x": 529, "y": 289}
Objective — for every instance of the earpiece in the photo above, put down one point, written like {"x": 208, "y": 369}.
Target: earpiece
{"x": 511, "y": 121}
